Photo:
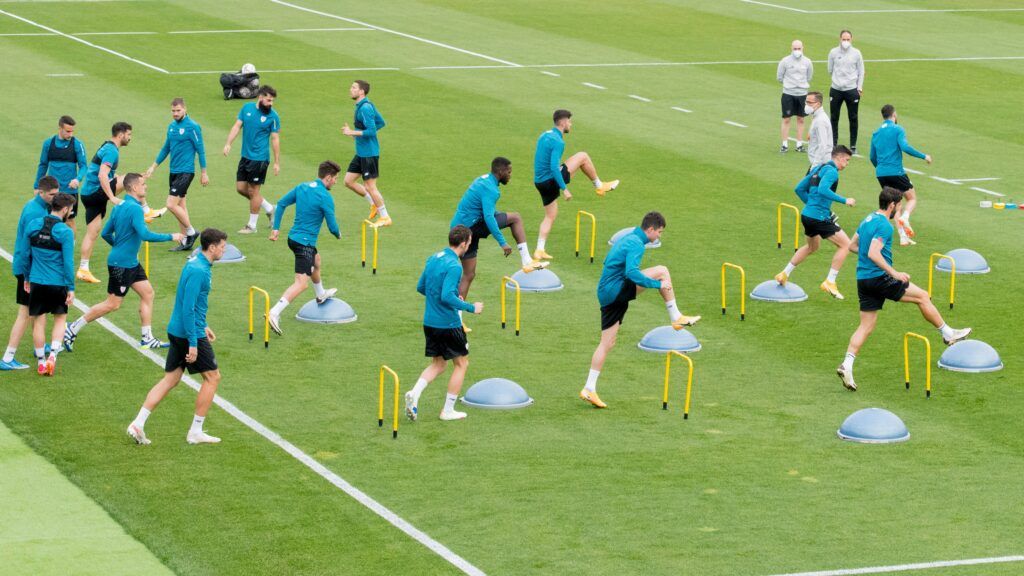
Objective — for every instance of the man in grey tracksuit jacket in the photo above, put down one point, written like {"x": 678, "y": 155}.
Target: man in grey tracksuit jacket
{"x": 795, "y": 73}
{"x": 846, "y": 65}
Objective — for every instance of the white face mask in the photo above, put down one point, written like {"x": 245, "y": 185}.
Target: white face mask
{"x": 845, "y": 44}
{"x": 798, "y": 54}
{"x": 808, "y": 109}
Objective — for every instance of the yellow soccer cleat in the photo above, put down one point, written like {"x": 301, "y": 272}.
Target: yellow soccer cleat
{"x": 466, "y": 329}
{"x": 86, "y": 276}
{"x": 606, "y": 187}
{"x": 383, "y": 222}
{"x": 832, "y": 289}
{"x": 782, "y": 278}
{"x": 593, "y": 398}
{"x": 534, "y": 266}
{"x": 904, "y": 224}
{"x": 373, "y": 212}
{"x": 685, "y": 321}
{"x": 154, "y": 214}
{"x": 539, "y": 254}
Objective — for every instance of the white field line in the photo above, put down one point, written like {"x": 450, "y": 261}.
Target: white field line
{"x": 962, "y": 180}
{"x": 328, "y": 30}
{"x": 189, "y": 72}
{"x": 640, "y": 98}
{"x": 912, "y": 171}
{"x": 545, "y": 72}
{"x": 909, "y": 567}
{"x": 149, "y": 33}
{"x": 112, "y": 33}
{"x": 217, "y": 31}
{"x": 67, "y": 75}
{"x": 307, "y": 460}
{"x": 86, "y": 42}
{"x": 987, "y": 191}
{"x": 736, "y": 124}
{"x": 881, "y": 11}
{"x": 678, "y": 109}
{"x": 946, "y": 180}
{"x": 597, "y": 86}
{"x": 774, "y": 6}
{"x": 395, "y": 32}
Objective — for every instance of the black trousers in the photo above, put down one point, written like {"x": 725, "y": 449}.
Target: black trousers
{"x": 851, "y": 98}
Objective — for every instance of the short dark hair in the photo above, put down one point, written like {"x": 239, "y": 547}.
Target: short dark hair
{"x": 841, "y": 32}
{"x": 652, "y": 220}
{"x": 131, "y": 179}
{"x": 266, "y": 90}
{"x": 887, "y": 196}
{"x": 499, "y": 163}
{"x": 328, "y": 168}
{"x": 840, "y": 149}
{"x": 178, "y": 102}
{"x": 65, "y": 121}
{"x": 47, "y": 183}
{"x": 887, "y": 111}
{"x": 459, "y": 234}
{"x": 210, "y": 237}
{"x": 364, "y": 86}
{"x": 120, "y": 128}
{"x": 61, "y": 201}
{"x": 559, "y": 114}
{"x": 816, "y": 95}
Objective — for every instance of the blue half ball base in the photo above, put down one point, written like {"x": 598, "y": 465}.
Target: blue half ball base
{"x": 232, "y": 255}
{"x": 497, "y": 394}
{"x": 615, "y": 238}
{"x": 873, "y": 426}
{"x": 666, "y": 339}
{"x": 971, "y": 356}
{"x": 772, "y": 291}
{"x": 537, "y": 281}
{"x": 967, "y": 262}
{"x": 333, "y": 311}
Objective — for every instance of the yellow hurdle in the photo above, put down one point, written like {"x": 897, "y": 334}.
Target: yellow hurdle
{"x": 796, "y": 225}
{"x": 689, "y": 382}
{"x": 927, "y": 362}
{"x": 266, "y": 314}
{"x": 952, "y": 276}
{"x": 380, "y": 401}
{"x": 145, "y": 258}
{"x": 505, "y": 280}
{"x": 376, "y": 234}
{"x": 593, "y": 233}
{"x": 743, "y": 289}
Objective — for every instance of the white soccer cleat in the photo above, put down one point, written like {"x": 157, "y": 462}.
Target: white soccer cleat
{"x": 847, "y": 377}
{"x": 138, "y": 434}
{"x": 453, "y": 415}
{"x": 411, "y": 411}
{"x": 247, "y": 230}
{"x": 275, "y": 324}
{"x": 201, "y": 438}
{"x": 957, "y": 336}
{"x": 327, "y": 295}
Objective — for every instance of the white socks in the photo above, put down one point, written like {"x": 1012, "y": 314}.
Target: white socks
{"x": 946, "y": 330}
{"x": 267, "y": 206}
{"x": 449, "y": 402}
{"x": 541, "y": 242}
{"x": 799, "y": 143}
{"x": 253, "y": 219}
{"x": 190, "y": 232}
{"x": 524, "y": 253}
{"x": 9, "y": 354}
{"x": 140, "y": 420}
{"x": 673, "y": 311}
{"x": 785, "y": 143}
{"x": 84, "y": 264}
{"x": 368, "y": 198}
{"x": 55, "y": 346}
{"x": 319, "y": 287}
{"x": 832, "y": 274}
{"x": 789, "y": 269}
{"x": 591, "y": 385}
{"x": 418, "y": 389}
{"x": 279, "y": 307}
{"x": 77, "y": 325}
{"x": 383, "y": 211}
{"x": 197, "y": 424}
{"x": 41, "y": 354}
{"x": 597, "y": 182}
{"x": 848, "y": 361}
{"x": 147, "y": 332}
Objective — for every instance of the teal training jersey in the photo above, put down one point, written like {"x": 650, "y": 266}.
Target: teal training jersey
{"x": 257, "y": 127}
{"x": 875, "y": 225}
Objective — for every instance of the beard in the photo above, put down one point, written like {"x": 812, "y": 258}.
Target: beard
{"x": 264, "y": 108}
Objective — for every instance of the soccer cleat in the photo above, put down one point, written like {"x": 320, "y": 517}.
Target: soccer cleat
{"x": 247, "y": 230}
{"x": 373, "y": 212}
{"x": 801, "y": 148}
{"x": 12, "y": 365}
{"x": 854, "y": 150}
{"x": 782, "y": 278}
{"x": 154, "y": 214}
{"x": 51, "y": 364}
{"x": 452, "y": 415}
{"x": 958, "y": 335}
{"x": 153, "y": 342}
{"x": 783, "y": 149}
{"x": 179, "y": 247}
{"x": 846, "y": 377}
{"x": 534, "y": 266}
{"x": 190, "y": 240}
{"x": 606, "y": 187}
{"x": 410, "y": 406}
{"x": 832, "y": 289}
{"x": 270, "y": 215}
{"x": 383, "y": 222}
{"x": 327, "y": 295}
{"x": 904, "y": 223}
{"x": 685, "y": 321}
{"x": 138, "y": 434}
{"x": 201, "y": 438}
{"x": 466, "y": 329}
{"x": 69, "y": 340}
{"x": 275, "y": 324}
{"x": 86, "y": 276}
{"x": 539, "y": 254}
{"x": 593, "y": 398}
{"x": 905, "y": 241}
{"x": 41, "y": 368}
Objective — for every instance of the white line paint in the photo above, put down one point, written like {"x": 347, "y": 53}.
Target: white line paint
{"x": 395, "y": 32}
{"x": 598, "y": 86}
{"x": 774, "y": 6}
{"x": 143, "y": 33}
{"x": 910, "y": 567}
{"x": 192, "y": 72}
{"x": 677, "y": 108}
{"x": 987, "y": 191}
{"x": 86, "y": 42}
{"x": 69, "y": 75}
{"x": 307, "y": 460}
{"x": 640, "y": 98}
{"x": 550, "y": 73}
{"x": 111, "y": 33}
{"x": 882, "y": 11}
{"x": 962, "y": 180}
{"x": 736, "y": 124}
{"x": 217, "y": 31}
{"x": 912, "y": 171}
{"x": 328, "y": 30}
{"x": 946, "y": 180}
{"x": 28, "y": 34}
{"x": 708, "y": 63}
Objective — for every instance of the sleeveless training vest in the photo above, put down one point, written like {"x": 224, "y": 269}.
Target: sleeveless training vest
{"x": 66, "y": 154}
{"x": 43, "y": 238}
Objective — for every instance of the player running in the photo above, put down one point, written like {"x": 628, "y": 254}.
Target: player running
{"x": 191, "y": 340}
{"x": 442, "y": 325}
{"x": 125, "y": 231}
{"x": 818, "y": 192}
{"x": 622, "y": 280}
{"x": 259, "y": 124}
{"x": 888, "y": 143}
{"x": 313, "y": 206}
{"x": 63, "y": 157}
{"x": 183, "y": 143}
{"x": 551, "y": 176}
{"x": 366, "y": 163}
{"x": 878, "y": 281}
{"x": 101, "y": 186}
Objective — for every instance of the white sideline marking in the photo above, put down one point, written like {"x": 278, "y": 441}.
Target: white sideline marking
{"x": 188, "y": 72}
{"x": 736, "y": 124}
{"x": 962, "y": 180}
{"x": 141, "y": 33}
{"x": 328, "y": 30}
{"x": 909, "y": 567}
{"x": 640, "y": 98}
{"x": 68, "y": 75}
{"x": 28, "y": 34}
{"x": 912, "y": 171}
{"x": 598, "y": 86}
{"x": 882, "y": 11}
{"x": 110, "y": 33}
{"x": 682, "y": 109}
{"x": 307, "y": 460}
{"x": 987, "y": 191}
{"x": 215, "y": 31}
{"x": 946, "y": 180}
{"x": 774, "y": 6}
{"x": 395, "y": 32}
{"x": 86, "y": 42}
{"x": 550, "y": 73}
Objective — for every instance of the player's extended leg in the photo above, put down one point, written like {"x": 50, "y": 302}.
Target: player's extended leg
{"x": 668, "y": 295}
{"x": 582, "y": 161}
{"x": 204, "y": 399}
{"x": 799, "y": 133}
{"x": 377, "y": 203}
{"x": 176, "y": 205}
{"x": 514, "y": 222}
{"x": 255, "y": 198}
{"x": 412, "y": 397}
{"x": 468, "y": 274}
{"x": 146, "y": 295}
{"x": 99, "y": 310}
{"x": 810, "y": 247}
{"x": 842, "y": 242}
{"x": 353, "y": 184}
{"x": 21, "y": 323}
{"x": 156, "y": 394}
{"x": 550, "y": 214}
{"x": 903, "y": 212}
{"x": 92, "y": 232}
{"x": 459, "y": 366}
{"x": 60, "y": 322}
{"x": 604, "y": 347}
{"x": 39, "y": 341}
{"x": 859, "y": 337}
{"x": 322, "y": 294}
{"x": 917, "y": 295}
{"x": 298, "y": 286}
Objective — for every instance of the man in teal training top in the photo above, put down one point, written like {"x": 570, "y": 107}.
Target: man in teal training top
{"x": 261, "y": 133}
{"x": 365, "y": 164}
{"x": 888, "y": 144}
{"x": 63, "y": 157}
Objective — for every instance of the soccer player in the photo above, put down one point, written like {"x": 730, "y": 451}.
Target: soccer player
{"x": 846, "y": 65}
{"x": 183, "y": 143}
{"x": 622, "y": 280}
{"x": 794, "y": 73}
{"x": 878, "y": 281}
{"x": 819, "y": 140}
{"x": 49, "y": 265}
{"x": 125, "y": 231}
{"x": 888, "y": 144}
{"x": 551, "y": 176}
{"x": 63, "y": 157}
{"x": 442, "y": 325}
{"x": 37, "y": 207}
{"x": 366, "y": 163}
{"x": 191, "y": 340}
{"x": 313, "y": 206}
{"x": 259, "y": 124}
{"x": 101, "y": 186}
{"x": 818, "y": 192}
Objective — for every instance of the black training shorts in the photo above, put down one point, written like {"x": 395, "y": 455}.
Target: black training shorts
{"x": 20, "y": 296}
{"x": 366, "y": 166}
{"x": 873, "y": 292}
{"x": 823, "y": 228}
{"x": 793, "y": 105}
{"x": 480, "y": 231}
{"x": 251, "y": 171}
{"x": 95, "y": 205}
{"x": 305, "y": 257}
{"x": 179, "y": 183}
{"x": 121, "y": 279}
{"x": 74, "y": 208}
{"x": 176, "y": 352}
{"x": 901, "y": 182}
{"x": 447, "y": 343}
{"x": 47, "y": 299}
{"x": 549, "y": 190}
{"x": 613, "y": 313}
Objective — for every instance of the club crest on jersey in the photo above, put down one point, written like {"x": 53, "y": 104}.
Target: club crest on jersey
{"x": 181, "y": 130}
{"x": 123, "y": 289}
{"x": 263, "y": 118}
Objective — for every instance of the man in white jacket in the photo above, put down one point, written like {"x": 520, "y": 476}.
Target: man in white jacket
{"x": 819, "y": 144}
{"x": 794, "y": 73}
{"x": 846, "y": 65}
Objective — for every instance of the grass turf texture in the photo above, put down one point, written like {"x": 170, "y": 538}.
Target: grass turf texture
{"x": 754, "y": 482}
